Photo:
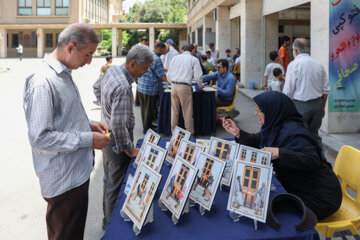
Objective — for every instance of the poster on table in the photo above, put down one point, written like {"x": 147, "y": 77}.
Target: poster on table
{"x": 207, "y": 179}
{"x": 254, "y": 155}
{"x": 344, "y": 59}
{"x": 141, "y": 194}
{"x": 226, "y": 151}
{"x": 203, "y": 142}
{"x": 150, "y": 137}
{"x": 178, "y": 186}
{"x": 153, "y": 156}
{"x": 177, "y": 135}
{"x": 250, "y": 190}
{"x": 189, "y": 151}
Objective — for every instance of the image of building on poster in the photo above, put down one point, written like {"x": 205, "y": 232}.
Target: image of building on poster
{"x": 344, "y": 56}
{"x": 178, "y": 186}
{"x": 189, "y": 151}
{"x": 254, "y": 155}
{"x": 250, "y": 189}
{"x": 226, "y": 151}
{"x": 153, "y": 156}
{"x": 207, "y": 180}
{"x": 150, "y": 137}
{"x": 141, "y": 194}
{"x": 175, "y": 141}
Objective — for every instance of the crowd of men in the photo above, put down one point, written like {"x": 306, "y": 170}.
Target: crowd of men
{"x": 63, "y": 138}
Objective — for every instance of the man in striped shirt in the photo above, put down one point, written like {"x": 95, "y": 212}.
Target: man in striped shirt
{"x": 61, "y": 136}
{"x": 117, "y": 113}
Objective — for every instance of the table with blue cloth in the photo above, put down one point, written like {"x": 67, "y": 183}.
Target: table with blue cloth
{"x": 204, "y": 112}
{"x": 215, "y": 224}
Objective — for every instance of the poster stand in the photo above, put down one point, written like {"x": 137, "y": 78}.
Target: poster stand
{"x": 236, "y": 217}
{"x": 135, "y": 165}
{"x": 174, "y": 219}
{"x": 149, "y": 219}
{"x": 201, "y": 208}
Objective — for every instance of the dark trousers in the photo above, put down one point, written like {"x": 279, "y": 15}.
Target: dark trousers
{"x": 148, "y": 105}
{"x": 312, "y": 112}
{"x": 137, "y": 101}
{"x": 115, "y": 168}
{"x": 66, "y": 213}
{"x": 222, "y": 103}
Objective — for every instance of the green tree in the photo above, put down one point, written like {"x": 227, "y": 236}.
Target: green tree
{"x": 106, "y": 36}
{"x": 156, "y": 11}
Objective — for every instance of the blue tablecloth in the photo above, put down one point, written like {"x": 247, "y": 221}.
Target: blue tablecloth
{"x": 215, "y": 224}
{"x": 204, "y": 108}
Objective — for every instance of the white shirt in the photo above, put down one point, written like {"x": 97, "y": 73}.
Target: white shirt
{"x": 269, "y": 71}
{"x": 20, "y": 49}
{"x": 238, "y": 60}
{"x": 210, "y": 60}
{"x": 169, "y": 56}
{"x": 305, "y": 79}
{"x": 215, "y": 55}
{"x": 184, "y": 68}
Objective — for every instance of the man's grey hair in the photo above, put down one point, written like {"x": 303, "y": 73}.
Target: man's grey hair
{"x": 79, "y": 33}
{"x": 302, "y": 45}
{"x": 141, "y": 54}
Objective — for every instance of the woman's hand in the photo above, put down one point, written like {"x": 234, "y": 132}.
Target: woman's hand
{"x": 274, "y": 152}
{"x": 231, "y": 127}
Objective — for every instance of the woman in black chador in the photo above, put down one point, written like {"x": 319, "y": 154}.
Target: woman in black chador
{"x": 296, "y": 154}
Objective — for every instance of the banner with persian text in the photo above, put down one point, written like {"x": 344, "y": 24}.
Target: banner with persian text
{"x": 344, "y": 61}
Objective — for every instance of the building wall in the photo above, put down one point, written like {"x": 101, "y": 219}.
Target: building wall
{"x": 88, "y": 11}
{"x": 9, "y": 14}
{"x": 272, "y": 6}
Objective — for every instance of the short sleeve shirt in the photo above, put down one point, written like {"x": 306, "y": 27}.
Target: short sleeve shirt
{"x": 284, "y": 53}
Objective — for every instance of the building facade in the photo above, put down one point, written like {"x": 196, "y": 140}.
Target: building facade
{"x": 255, "y": 26}
{"x": 37, "y": 23}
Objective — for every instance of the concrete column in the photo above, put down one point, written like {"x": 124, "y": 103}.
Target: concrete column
{"x": 196, "y": 36}
{"x": 251, "y": 44}
{"x": 204, "y": 35}
{"x": 114, "y": 43}
{"x": 182, "y": 38}
{"x": 333, "y": 122}
{"x": 40, "y": 42}
{"x": 3, "y": 47}
{"x": 119, "y": 43}
{"x": 223, "y": 30}
{"x": 152, "y": 37}
{"x": 271, "y": 35}
{"x": 235, "y": 33}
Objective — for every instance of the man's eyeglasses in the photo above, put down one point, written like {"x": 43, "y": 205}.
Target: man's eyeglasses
{"x": 218, "y": 67}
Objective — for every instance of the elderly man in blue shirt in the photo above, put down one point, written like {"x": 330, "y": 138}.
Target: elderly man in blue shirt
{"x": 225, "y": 83}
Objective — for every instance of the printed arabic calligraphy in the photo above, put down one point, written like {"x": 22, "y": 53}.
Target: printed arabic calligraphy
{"x": 340, "y": 25}
{"x": 351, "y": 16}
{"x": 334, "y": 4}
{"x": 347, "y": 44}
{"x": 344, "y": 74}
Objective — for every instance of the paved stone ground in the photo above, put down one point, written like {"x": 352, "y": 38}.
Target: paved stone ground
{"x": 22, "y": 207}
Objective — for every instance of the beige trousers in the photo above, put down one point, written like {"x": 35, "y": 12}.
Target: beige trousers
{"x": 181, "y": 95}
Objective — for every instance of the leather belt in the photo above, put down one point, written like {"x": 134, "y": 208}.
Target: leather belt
{"x": 181, "y": 83}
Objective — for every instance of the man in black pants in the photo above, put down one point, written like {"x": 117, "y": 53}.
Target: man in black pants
{"x": 149, "y": 87}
